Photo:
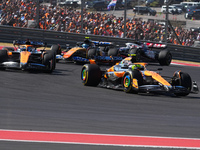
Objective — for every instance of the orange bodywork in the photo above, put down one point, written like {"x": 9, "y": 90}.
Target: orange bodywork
{"x": 111, "y": 69}
{"x": 179, "y": 75}
{"x": 92, "y": 61}
{"x": 156, "y": 77}
{"x": 119, "y": 74}
{"x": 24, "y": 56}
{"x": 9, "y": 53}
{"x": 135, "y": 83}
{"x": 72, "y": 51}
{"x": 152, "y": 74}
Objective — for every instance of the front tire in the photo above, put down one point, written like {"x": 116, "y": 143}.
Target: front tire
{"x": 3, "y": 58}
{"x": 91, "y": 75}
{"x": 3, "y": 55}
{"x": 56, "y": 49}
{"x": 182, "y": 79}
{"x": 127, "y": 81}
{"x": 49, "y": 61}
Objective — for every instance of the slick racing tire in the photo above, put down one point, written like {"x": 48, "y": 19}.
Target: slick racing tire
{"x": 91, "y": 75}
{"x": 136, "y": 53}
{"x": 3, "y": 57}
{"x": 56, "y": 49}
{"x": 91, "y": 53}
{"x": 49, "y": 60}
{"x": 127, "y": 81}
{"x": 164, "y": 58}
{"x": 8, "y": 48}
{"x": 112, "y": 52}
{"x": 182, "y": 79}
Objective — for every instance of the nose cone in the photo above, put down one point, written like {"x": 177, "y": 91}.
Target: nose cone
{"x": 24, "y": 56}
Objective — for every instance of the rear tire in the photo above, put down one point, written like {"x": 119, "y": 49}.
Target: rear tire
{"x": 91, "y": 75}
{"x": 164, "y": 58}
{"x": 127, "y": 81}
{"x": 91, "y": 53}
{"x": 112, "y": 52}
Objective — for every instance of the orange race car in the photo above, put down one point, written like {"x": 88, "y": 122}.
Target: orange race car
{"x": 26, "y": 56}
{"x": 91, "y": 51}
{"x": 134, "y": 77}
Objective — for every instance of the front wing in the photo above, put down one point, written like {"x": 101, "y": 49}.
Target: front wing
{"x": 153, "y": 88}
{"x": 17, "y": 65}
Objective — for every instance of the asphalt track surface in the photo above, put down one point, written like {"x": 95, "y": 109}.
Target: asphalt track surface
{"x": 58, "y": 102}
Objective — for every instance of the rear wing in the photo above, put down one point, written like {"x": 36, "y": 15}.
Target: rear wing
{"x": 33, "y": 43}
{"x": 156, "y": 45}
{"x": 97, "y": 43}
{"x": 100, "y": 43}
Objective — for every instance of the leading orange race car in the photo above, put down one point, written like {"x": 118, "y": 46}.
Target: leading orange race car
{"x": 134, "y": 77}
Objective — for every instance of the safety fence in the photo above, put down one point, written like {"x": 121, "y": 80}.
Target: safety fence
{"x": 8, "y": 34}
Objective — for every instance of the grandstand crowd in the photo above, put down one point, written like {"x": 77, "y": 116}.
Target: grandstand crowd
{"x": 17, "y": 13}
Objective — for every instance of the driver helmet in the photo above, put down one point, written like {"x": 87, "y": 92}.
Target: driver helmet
{"x": 27, "y": 42}
{"x": 136, "y": 66}
{"x": 87, "y": 40}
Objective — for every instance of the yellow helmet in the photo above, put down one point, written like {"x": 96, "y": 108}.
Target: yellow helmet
{"x": 137, "y": 66}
